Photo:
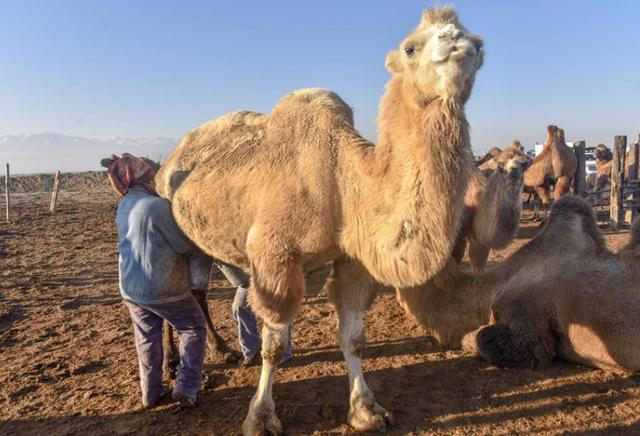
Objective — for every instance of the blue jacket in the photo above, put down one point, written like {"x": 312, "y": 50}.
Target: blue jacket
{"x": 153, "y": 268}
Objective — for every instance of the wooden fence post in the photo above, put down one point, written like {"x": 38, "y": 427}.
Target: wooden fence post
{"x": 580, "y": 177}
{"x": 632, "y": 162}
{"x": 631, "y": 209}
{"x": 7, "y": 194}
{"x": 54, "y": 193}
{"x": 617, "y": 181}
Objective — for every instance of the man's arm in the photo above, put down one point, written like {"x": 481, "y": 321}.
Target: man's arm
{"x": 165, "y": 223}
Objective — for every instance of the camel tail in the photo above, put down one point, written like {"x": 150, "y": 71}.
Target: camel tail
{"x": 505, "y": 346}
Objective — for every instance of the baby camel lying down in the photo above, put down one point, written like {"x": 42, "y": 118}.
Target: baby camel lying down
{"x": 563, "y": 295}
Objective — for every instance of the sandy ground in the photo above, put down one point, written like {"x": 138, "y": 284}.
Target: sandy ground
{"x": 68, "y": 364}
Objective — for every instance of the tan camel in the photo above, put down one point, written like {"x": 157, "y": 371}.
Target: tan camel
{"x": 604, "y": 157}
{"x": 555, "y": 165}
{"x": 582, "y": 305}
{"x": 493, "y": 206}
{"x": 490, "y": 162}
{"x": 287, "y": 192}
{"x": 489, "y": 155}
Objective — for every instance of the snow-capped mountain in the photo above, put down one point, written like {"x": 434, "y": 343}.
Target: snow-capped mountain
{"x": 49, "y": 152}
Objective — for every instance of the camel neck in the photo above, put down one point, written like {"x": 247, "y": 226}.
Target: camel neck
{"x": 402, "y": 199}
{"x": 451, "y": 304}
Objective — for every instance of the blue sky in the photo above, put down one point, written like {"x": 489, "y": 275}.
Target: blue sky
{"x": 161, "y": 68}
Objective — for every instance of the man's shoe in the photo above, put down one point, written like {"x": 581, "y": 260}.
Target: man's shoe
{"x": 166, "y": 390}
{"x": 185, "y": 401}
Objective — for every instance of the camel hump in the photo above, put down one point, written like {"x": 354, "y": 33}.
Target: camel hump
{"x": 570, "y": 205}
{"x": 317, "y": 101}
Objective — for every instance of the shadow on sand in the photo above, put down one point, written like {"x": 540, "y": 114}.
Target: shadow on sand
{"x": 434, "y": 396}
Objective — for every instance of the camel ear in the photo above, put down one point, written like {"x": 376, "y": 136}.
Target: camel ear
{"x": 393, "y": 64}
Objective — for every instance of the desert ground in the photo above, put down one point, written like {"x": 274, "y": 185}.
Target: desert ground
{"x": 68, "y": 363}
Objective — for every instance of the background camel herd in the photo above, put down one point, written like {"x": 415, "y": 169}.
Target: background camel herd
{"x": 301, "y": 188}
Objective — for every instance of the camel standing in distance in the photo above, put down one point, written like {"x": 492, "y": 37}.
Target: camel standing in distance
{"x": 563, "y": 295}
{"x": 490, "y": 162}
{"x": 493, "y": 206}
{"x": 604, "y": 157}
{"x": 555, "y": 165}
{"x": 286, "y": 192}
{"x": 489, "y": 155}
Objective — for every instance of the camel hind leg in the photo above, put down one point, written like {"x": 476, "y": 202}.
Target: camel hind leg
{"x": 562, "y": 187}
{"x": 171, "y": 357}
{"x": 275, "y": 294}
{"x": 545, "y": 197}
{"x": 351, "y": 290}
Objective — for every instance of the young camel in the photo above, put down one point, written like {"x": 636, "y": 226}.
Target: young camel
{"x": 286, "y": 192}
{"x": 555, "y": 165}
{"x": 493, "y": 206}
{"x": 581, "y": 305}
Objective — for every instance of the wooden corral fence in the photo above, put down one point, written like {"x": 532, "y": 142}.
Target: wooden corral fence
{"x": 624, "y": 192}
{"x": 54, "y": 193}
{"x": 580, "y": 178}
{"x": 7, "y": 194}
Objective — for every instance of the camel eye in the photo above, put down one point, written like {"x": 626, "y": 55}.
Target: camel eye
{"x": 409, "y": 51}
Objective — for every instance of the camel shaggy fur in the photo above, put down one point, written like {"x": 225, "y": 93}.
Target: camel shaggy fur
{"x": 555, "y": 165}
{"x": 582, "y": 306}
{"x": 283, "y": 193}
{"x": 493, "y": 206}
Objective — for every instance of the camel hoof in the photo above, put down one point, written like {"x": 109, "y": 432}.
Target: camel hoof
{"x": 262, "y": 420}
{"x": 268, "y": 425}
{"x": 369, "y": 417}
{"x": 233, "y": 357}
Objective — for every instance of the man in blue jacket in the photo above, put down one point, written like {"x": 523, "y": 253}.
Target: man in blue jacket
{"x": 155, "y": 283}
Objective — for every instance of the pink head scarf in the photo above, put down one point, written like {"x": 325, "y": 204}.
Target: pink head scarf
{"x": 128, "y": 171}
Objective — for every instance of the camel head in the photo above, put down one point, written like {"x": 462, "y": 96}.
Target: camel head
{"x": 602, "y": 152}
{"x": 439, "y": 59}
{"x": 512, "y": 162}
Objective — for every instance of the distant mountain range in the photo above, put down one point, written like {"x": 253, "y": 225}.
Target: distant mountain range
{"x": 49, "y": 152}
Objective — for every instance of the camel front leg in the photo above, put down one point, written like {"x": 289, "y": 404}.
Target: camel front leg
{"x": 478, "y": 254}
{"x": 275, "y": 295}
{"x": 351, "y": 290}
{"x": 262, "y": 417}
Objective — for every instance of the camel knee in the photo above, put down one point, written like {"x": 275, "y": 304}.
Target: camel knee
{"x": 351, "y": 334}
{"x": 274, "y": 342}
